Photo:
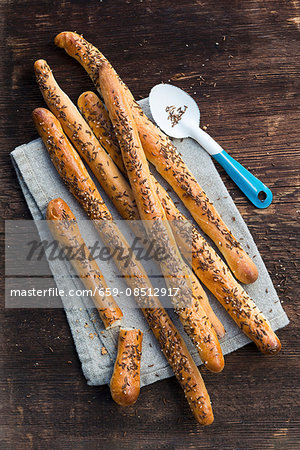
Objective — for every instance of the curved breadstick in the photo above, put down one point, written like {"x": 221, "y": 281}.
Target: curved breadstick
{"x": 151, "y": 211}
{"x": 75, "y": 176}
{"x": 125, "y": 380}
{"x": 162, "y": 153}
{"x": 84, "y": 140}
{"x": 64, "y": 228}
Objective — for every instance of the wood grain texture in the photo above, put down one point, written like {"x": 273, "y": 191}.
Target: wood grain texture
{"x": 240, "y": 61}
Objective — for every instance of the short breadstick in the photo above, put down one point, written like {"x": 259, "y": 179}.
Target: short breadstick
{"x": 125, "y": 380}
{"x": 75, "y": 176}
{"x": 84, "y": 140}
{"x": 162, "y": 153}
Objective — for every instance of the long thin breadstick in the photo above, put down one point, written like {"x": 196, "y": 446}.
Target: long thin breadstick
{"x": 97, "y": 117}
{"x": 208, "y": 266}
{"x": 195, "y": 321}
{"x": 76, "y": 178}
{"x": 64, "y": 228}
{"x": 151, "y": 211}
{"x": 162, "y": 153}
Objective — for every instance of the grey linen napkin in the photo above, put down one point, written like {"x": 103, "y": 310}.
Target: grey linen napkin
{"x": 40, "y": 183}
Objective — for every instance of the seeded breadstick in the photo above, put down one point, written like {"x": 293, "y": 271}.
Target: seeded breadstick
{"x": 64, "y": 228}
{"x": 196, "y": 323}
{"x": 76, "y": 178}
{"x": 212, "y": 271}
{"x": 119, "y": 191}
{"x": 125, "y": 380}
{"x": 208, "y": 266}
{"x": 152, "y": 213}
{"x": 162, "y": 153}
{"x": 97, "y": 117}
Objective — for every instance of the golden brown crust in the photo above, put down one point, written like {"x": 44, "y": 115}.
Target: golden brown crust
{"x": 64, "y": 228}
{"x": 183, "y": 365}
{"x": 69, "y": 165}
{"x": 82, "y": 50}
{"x": 70, "y": 168}
{"x": 92, "y": 108}
{"x": 211, "y": 270}
{"x": 134, "y": 158}
{"x": 216, "y": 276}
{"x": 85, "y": 142}
{"x": 125, "y": 380}
{"x": 162, "y": 153}
{"x": 196, "y": 324}
{"x": 97, "y": 118}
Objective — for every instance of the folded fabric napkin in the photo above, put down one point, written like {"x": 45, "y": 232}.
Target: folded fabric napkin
{"x": 40, "y": 183}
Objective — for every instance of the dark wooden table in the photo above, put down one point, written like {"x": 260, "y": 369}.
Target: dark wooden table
{"x": 240, "y": 60}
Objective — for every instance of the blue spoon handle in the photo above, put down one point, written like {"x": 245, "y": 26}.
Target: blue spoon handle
{"x": 256, "y": 191}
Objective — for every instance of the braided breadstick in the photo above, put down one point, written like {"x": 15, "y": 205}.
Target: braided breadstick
{"x": 161, "y": 152}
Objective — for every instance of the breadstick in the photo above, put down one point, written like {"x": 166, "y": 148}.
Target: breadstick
{"x": 97, "y": 117}
{"x": 76, "y": 178}
{"x": 216, "y": 276}
{"x": 64, "y": 228}
{"x": 195, "y": 321}
{"x": 125, "y": 380}
{"x": 84, "y": 140}
{"x": 151, "y": 211}
{"x": 208, "y": 266}
{"x": 162, "y": 153}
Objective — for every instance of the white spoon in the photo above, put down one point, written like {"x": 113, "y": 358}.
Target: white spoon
{"x": 178, "y": 115}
